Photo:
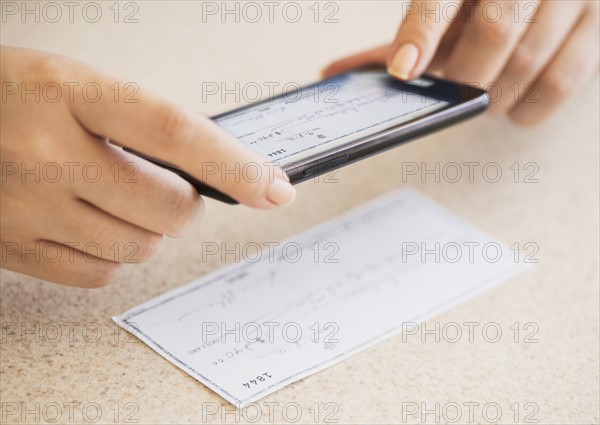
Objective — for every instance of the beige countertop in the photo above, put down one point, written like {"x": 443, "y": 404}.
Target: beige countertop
{"x": 60, "y": 347}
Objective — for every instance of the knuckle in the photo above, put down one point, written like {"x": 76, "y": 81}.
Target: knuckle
{"x": 555, "y": 85}
{"x": 492, "y": 34}
{"x": 522, "y": 63}
{"x": 51, "y": 69}
{"x": 173, "y": 123}
{"x": 149, "y": 247}
{"x": 103, "y": 274}
{"x": 185, "y": 209}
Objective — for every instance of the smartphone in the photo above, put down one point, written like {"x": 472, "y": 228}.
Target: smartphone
{"x": 315, "y": 129}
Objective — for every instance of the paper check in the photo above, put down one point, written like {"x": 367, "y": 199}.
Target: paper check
{"x": 297, "y": 307}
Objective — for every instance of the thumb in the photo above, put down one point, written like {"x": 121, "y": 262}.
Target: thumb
{"x": 193, "y": 143}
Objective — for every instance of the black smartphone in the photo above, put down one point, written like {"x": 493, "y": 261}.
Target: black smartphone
{"x": 321, "y": 127}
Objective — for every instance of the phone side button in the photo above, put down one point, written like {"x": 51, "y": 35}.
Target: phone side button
{"x": 326, "y": 166}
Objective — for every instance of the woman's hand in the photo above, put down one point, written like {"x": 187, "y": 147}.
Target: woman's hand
{"x": 530, "y": 55}
{"x": 74, "y": 206}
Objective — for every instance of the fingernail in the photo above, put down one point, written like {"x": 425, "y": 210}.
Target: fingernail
{"x": 404, "y": 61}
{"x": 281, "y": 192}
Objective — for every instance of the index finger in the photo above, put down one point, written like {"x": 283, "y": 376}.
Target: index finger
{"x": 424, "y": 24}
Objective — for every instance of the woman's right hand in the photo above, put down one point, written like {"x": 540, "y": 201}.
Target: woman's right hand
{"x": 74, "y": 206}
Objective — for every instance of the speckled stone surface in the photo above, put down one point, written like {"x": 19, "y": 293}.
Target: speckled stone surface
{"x": 62, "y": 354}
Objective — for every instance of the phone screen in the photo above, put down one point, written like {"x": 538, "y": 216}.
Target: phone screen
{"x": 328, "y": 114}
